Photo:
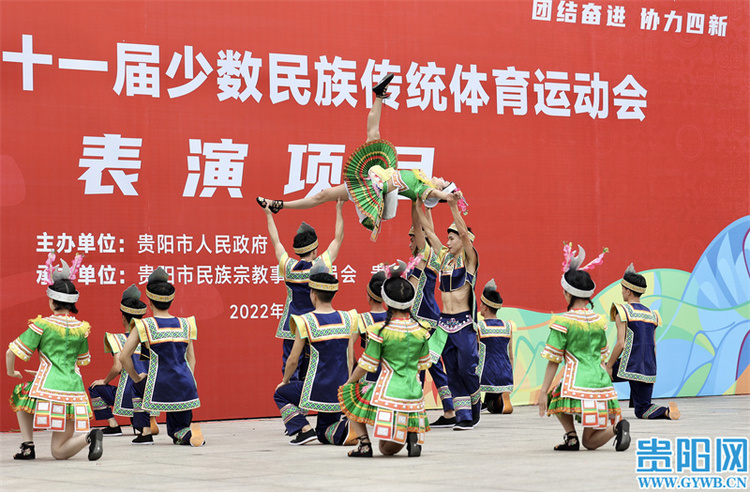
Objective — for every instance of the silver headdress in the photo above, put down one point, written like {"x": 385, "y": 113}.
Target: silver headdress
{"x": 397, "y": 271}
{"x": 572, "y": 261}
{"x": 62, "y": 272}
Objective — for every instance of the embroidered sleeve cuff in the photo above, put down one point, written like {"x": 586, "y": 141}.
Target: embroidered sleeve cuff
{"x": 282, "y": 262}
{"x": 297, "y": 322}
{"x": 83, "y": 359}
{"x": 558, "y": 327}
{"x": 552, "y": 354}
{"x": 21, "y": 350}
{"x": 110, "y": 344}
{"x": 326, "y": 257}
{"x": 615, "y": 310}
{"x": 368, "y": 363}
{"x": 193, "y": 328}
{"x": 424, "y": 363}
{"x": 605, "y": 353}
{"x": 355, "y": 324}
{"x": 139, "y": 325}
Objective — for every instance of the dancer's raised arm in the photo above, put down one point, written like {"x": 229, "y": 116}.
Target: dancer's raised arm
{"x": 335, "y": 246}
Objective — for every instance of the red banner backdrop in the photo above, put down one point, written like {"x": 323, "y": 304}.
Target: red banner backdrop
{"x": 141, "y": 132}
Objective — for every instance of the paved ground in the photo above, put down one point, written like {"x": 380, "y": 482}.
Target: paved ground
{"x": 505, "y": 452}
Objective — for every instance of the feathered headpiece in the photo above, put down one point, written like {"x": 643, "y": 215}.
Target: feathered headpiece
{"x": 158, "y": 276}
{"x": 397, "y": 272}
{"x": 489, "y": 288}
{"x": 320, "y": 267}
{"x": 306, "y": 248}
{"x": 132, "y": 293}
{"x": 377, "y": 279}
{"x": 629, "y": 285}
{"x": 572, "y": 260}
{"x": 62, "y": 272}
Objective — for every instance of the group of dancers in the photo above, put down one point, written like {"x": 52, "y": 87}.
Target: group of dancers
{"x": 153, "y": 358}
{"x": 412, "y": 334}
{"x": 465, "y": 347}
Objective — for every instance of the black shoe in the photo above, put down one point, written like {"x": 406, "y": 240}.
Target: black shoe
{"x": 141, "y": 439}
{"x": 303, "y": 438}
{"x": 622, "y": 435}
{"x": 27, "y": 451}
{"x": 95, "y": 438}
{"x": 442, "y": 422}
{"x": 413, "y": 448}
{"x": 379, "y": 89}
{"x": 464, "y": 425}
{"x": 112, "y": 431}
{"x": 570, "y": 442}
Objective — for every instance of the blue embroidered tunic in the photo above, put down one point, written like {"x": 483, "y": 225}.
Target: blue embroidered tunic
{"x": 113, "y": 343}
{"x": 638, "y": 359}
{"x": 495, "y": 369}
{"x": 328, "y": 336}
{"x": 425, "y": 307}
{"x": 296, "y": 274}
{"x": 170, "y": 384}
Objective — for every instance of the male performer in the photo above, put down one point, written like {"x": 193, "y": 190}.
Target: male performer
{"x": 169, "y": 385}
{"x": 456, "y": 338}
{"x": 495, "y": 352}
{"x": 107, "y": 400}
{"x": 296, "y": 274}
{"x": 425, "y": 308}
{"x": 633, "y": 357}
{"x": 326, "y": 332}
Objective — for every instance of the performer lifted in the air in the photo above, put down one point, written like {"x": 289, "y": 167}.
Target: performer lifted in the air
{"x": 371, "y": 179}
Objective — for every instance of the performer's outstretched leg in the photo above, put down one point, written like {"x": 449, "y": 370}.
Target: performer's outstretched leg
{"x": 331, "y": 194}
{"x": 335, "y": 193}
{"x": 373, "y": 117}
{"x": 373, "y": 120}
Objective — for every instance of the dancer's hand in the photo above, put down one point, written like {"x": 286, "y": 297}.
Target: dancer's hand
{"x": 542, "y": 402}
{"x": 98, "y": 382}
{"x": 282, "y": 383}
{"x": 141, "y": 377}
{"x": 15, "y": 374}
{"x": 339, "y": 204}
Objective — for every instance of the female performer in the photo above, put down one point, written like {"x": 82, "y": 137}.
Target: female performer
{"x": 585, "y": 392}
{"x": 371, "y": 180}
{"x": 56, "y": 399}
{"x": 395, "y": 403}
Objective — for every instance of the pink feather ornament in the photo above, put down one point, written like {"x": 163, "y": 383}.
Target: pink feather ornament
{"x": 77, "y": 261}
{"x": 597, "y": 261}
{"x": 463, "y": 205}
{"x": 412, "y": 263}
{"x": 567, "y": 255}
{"x": 50, "y": 267}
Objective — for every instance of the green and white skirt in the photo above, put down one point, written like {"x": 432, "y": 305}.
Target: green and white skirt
{"x": 367, "y": 197}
